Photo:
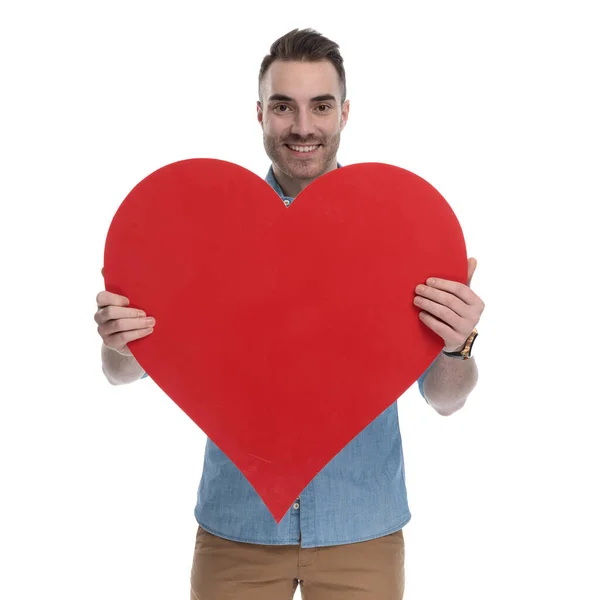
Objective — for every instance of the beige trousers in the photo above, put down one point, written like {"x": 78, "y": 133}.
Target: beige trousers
{"x": 226, "y": 570}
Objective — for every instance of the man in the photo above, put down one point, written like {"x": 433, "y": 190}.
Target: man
{"x": 343, "y": 537}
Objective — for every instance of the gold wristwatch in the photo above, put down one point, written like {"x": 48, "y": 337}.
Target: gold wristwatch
{"x": 466, "y": 351}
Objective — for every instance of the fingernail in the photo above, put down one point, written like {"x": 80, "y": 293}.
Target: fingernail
{"x": 141, "y": 313}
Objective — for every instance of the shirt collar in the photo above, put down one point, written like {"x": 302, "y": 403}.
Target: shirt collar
{"x": 270, "y": 179}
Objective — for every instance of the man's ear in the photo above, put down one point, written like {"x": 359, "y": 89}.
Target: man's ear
{"x": 259, "y": 112}
{"x": 345, "y": 112}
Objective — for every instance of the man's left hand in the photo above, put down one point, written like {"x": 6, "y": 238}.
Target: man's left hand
{"x": 450, "y": 308}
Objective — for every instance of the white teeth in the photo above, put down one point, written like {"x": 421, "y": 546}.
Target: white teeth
{"x": 304, "y": 148}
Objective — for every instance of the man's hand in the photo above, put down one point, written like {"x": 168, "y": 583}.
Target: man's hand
{"x": 119, "y": 325}
{"x": 451, "y": 309}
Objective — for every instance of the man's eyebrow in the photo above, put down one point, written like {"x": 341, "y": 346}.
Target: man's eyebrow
{"x": 323, "y": 98}
{"x": 284, "y": 98}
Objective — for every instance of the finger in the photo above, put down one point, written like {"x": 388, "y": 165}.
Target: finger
{"x": 109, "y": 313}
{"x": 452, "y": 338}
{"x": 443, "y": 313}
{"x": 460, "y": 290}
{"x": 119, "y": 340}
{"x": 471, "y": 270}
{"x": 105, "y": 298}
{"x": 115, "y": 326}
{"x": 443, "y": 298}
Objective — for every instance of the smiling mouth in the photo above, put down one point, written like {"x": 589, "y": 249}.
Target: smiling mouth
{"x": 308, "y": 150}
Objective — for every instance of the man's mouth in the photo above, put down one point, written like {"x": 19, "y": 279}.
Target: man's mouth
{"x": 303, "y": 149}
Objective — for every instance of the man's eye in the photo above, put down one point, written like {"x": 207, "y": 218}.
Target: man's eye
{"x": 326, "y": 107}
{"x": 281, "y": 106}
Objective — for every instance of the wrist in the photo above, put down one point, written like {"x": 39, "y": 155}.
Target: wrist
{"x": 463, "y": 352}
{"x": 124, "y": 352}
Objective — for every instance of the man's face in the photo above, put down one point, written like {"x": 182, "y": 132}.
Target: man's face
{"x": 300, "y": 108}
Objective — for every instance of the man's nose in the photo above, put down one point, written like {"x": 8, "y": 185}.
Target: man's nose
{"x": 303, "y": 124}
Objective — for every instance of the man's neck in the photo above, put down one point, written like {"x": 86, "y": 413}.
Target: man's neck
{"x": 291, "y": 186}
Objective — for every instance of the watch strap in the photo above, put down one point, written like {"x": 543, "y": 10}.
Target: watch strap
{"x": 465, "y": 352}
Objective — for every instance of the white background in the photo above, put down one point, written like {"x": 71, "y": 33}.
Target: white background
{"x": 495, "y": 104}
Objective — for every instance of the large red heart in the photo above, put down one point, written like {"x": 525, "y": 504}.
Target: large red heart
{"x": 282, "y": 332}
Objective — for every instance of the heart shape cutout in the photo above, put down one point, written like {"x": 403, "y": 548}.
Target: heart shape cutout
{"x": 282, "y": 332}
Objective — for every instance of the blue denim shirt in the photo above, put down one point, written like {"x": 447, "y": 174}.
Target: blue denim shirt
{"x": 359, "y": 495}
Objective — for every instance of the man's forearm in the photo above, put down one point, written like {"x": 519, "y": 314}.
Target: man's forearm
{"x": 118, "y": 368}
{"x": 448, "y": 383}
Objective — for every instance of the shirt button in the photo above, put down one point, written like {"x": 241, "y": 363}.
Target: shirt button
{"x": 296, "y": 505}
{"x": 286, "y": 202}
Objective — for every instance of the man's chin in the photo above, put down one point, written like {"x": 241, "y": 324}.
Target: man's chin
{"x": 305, "y": 171}
{"x": 299, "y": 168}
{"x": 302, "y": 165}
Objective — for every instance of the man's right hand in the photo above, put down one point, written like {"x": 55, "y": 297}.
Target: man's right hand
{"x": 119, "y": 325}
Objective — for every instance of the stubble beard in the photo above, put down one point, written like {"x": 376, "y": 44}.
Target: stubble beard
{"x": 298, "y": 168}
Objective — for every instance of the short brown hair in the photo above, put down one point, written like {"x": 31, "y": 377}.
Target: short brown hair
{"x": 305, "y": 44}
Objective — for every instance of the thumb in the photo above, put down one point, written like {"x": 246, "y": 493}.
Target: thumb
{"x": 471, "y": 270}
